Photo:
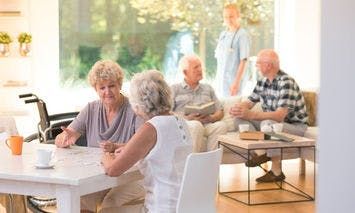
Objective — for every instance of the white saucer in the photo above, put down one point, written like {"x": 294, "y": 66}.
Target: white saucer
{"x": 42, "y": 166}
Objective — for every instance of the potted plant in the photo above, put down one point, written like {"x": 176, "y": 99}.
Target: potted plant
{"x": 25, "y": 40}
{"x": 5, "y": 40}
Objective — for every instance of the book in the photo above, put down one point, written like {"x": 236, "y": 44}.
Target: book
{"x": 255, "y": 135}
{"x": 280, "y": 137}
{"x": 203, "y": 109}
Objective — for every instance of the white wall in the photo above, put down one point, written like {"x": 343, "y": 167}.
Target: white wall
{"x": 44, "y": 19}
{"x": 336, "y": 188}
{"x": 14, "y": 67}
{"x": 297, "y": 36}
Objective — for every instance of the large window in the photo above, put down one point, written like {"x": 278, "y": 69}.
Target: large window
{"x": 145, "y": 34}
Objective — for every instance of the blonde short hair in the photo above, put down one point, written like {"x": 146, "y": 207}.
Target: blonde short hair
{"x": 150, "y": 93}
{"x": 232, "y": 7}
{"x": 105, "y": 70}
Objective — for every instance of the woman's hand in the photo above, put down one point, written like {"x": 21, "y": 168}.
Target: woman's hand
{"x": 66, "y": 138}
{"x": 119, "y": 149}
{"x": 107, "y": 159}
{"x": 107, "y": 146}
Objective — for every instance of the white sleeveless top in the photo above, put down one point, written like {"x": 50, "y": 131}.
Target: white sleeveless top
{"x": 163, "y": 167}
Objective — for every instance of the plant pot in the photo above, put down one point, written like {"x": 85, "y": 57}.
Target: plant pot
{"x": 25, "y": 49}
{"x": 4, "y": 50}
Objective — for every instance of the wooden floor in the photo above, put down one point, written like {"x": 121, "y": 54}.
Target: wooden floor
{"x": 234, "y": 177}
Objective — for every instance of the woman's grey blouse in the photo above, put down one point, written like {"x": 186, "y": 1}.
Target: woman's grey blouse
{"x": 92, "y": 123}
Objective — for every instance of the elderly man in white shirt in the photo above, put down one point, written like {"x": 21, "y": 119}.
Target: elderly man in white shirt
{"x": 204, "y": 128}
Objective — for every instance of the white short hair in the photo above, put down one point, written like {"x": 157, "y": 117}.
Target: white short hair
{"x": 150, "y": 93}
{"x": 270, "y": 56}
{"x": 184, "y": 62}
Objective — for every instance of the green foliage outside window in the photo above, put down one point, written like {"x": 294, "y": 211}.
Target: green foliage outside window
{"x": 135, "y": 33}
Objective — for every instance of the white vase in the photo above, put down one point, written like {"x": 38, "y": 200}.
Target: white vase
{"x": 25, "y": 49}
{"x": 4, "y": 50}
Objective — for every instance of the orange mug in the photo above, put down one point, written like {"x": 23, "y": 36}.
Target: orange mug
{"x": 15, "y": 144}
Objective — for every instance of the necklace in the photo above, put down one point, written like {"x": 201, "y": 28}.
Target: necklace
{"x": 231, "y": 45}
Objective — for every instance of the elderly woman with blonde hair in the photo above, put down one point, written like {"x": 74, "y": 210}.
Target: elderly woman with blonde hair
{"x": 161, "y": 145}
{"x": 108, "y": 122}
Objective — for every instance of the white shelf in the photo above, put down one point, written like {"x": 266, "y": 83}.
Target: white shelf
{"x": 15, "y": 57}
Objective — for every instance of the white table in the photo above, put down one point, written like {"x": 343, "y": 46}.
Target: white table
{"x": 77, "y": 172}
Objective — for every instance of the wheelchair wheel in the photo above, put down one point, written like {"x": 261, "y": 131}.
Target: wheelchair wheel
{"x": 41, "y": 204}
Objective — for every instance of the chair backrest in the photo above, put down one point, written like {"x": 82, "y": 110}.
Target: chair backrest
{"x": 43, "y": 114}
{"x": 199, "y": 183}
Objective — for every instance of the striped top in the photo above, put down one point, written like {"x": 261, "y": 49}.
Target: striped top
{"x": 283, "y": 91}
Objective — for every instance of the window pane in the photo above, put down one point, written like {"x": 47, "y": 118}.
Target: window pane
{"x": 140, "y": 34}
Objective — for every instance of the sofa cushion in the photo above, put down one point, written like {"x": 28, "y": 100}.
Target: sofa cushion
{"x": 312, "y": 132}
{"x": 310, "y": 99}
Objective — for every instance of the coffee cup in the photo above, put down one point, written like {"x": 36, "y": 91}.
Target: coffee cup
{"x": 243, "y": 127}
{"x": 266, "y": 128}
{"x": 44, "y": 156}
{"x": 14, "y": 143}
{"x": 277, "y": 127}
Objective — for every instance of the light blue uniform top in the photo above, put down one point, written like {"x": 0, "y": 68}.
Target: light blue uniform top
{"x": 232, "y": 47}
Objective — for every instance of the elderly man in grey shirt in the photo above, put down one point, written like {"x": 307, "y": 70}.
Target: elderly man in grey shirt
{"x": 204, "y": 128}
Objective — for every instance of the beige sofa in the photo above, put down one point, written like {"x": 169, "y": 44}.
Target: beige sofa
{"x": 303, "y": 154}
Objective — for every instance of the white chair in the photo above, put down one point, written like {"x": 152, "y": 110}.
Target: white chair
{"x": 199, "y": 183}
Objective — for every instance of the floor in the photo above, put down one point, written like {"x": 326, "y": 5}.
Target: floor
{"x": 231, "y": 178}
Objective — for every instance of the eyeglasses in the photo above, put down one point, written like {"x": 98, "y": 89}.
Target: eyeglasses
{"x": 262, "y": 62}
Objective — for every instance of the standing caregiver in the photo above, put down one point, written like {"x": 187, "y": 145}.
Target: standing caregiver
{"x": 231, "y": 53}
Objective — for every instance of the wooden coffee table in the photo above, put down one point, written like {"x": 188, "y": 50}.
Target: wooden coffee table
{"x": 244, "y": 149}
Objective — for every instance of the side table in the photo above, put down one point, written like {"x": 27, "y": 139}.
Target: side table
{"x": 244, "y": 149}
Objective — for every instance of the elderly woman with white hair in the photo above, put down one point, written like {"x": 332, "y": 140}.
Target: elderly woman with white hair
{"x": 161, "y": 145}
{"x": 108, "y": 122}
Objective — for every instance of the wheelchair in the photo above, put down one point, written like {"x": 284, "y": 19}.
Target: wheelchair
{"x": 48, "y": 128}
{"x": 49, "y": 125}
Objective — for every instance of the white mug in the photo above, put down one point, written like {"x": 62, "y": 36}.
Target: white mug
{"x": 266, "y": 128}
{"x": 243, "y": 127}
{"x": 44, "y": 156}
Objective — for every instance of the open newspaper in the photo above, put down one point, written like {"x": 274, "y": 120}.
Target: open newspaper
{"x": 203, "y": 109}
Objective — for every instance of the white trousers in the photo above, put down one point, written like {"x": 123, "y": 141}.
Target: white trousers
{"x": 204, "y": 137}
